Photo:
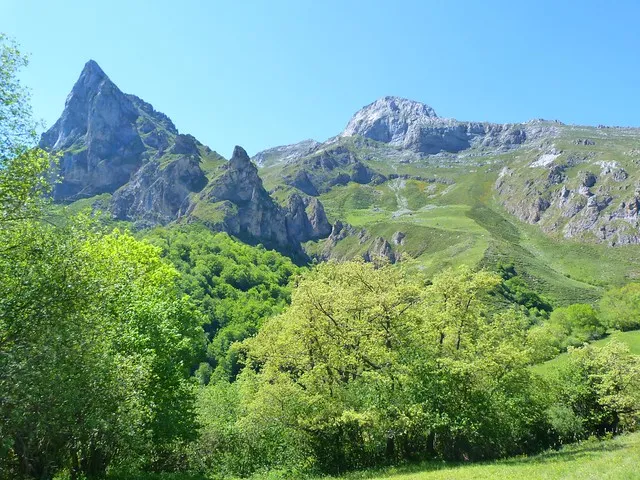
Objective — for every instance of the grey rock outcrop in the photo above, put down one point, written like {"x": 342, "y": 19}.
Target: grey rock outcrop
{"x": 249, "y": 212}
{"x": 380, "y": 249}
{"x": 285, "y": 153}
{"x": 160, "y": 193}
{"x": 398, "y": 238}
{"x": 415, "y": 126}
{"x": 102, "y": 134}
{"x": 306, "y": 219}
{"x": 389, "y": 119}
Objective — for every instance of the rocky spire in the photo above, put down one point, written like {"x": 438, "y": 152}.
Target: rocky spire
{"x": 97, "y": 134}
{"x": 240, "y": 158}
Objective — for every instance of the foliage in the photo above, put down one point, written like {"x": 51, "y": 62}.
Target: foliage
{"x": 602, "y": 387}
{"x": 580, "y": 321}
{"x": 24, "y": 177}
{"x": 620, "y": 307}
{"x": 515, "y": 290}
{"x": 371, "y": 365}
{"x": 95, "y": 345}
{"x": 17, "y": 128}
{"x": 237, "y": 285}
{"x": 567, "y": 326}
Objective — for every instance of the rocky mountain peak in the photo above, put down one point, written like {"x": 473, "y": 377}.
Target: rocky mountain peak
{"x": 91, "y": 72}
{"x": 116, "y": 143}
{"x": 240, "y": 159}
{"x": 98, "y": 134}
{"x": 388, "y": 119}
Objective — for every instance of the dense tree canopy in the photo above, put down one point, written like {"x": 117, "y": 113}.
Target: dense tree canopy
{"x": 372, "y": 364}
{"x": 236, "y": 285}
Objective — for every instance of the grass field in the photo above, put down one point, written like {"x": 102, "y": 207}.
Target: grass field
{"x": 614, "y": 459}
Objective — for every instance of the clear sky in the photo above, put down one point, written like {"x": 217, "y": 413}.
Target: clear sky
{"x": 267, "y": 73}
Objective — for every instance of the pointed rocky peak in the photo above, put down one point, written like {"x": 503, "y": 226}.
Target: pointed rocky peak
{"x": 91, "y": 81}
{"x": 240, "y": 159}
{"x": 388, "y": 119}
{"x": 93, "y": 95}
{"x": 91, "y": 69}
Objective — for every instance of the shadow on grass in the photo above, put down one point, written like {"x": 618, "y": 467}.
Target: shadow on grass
{"x": 570, "y": 453}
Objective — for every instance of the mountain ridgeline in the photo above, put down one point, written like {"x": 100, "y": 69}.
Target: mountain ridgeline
{"x": 115, "y": 143}
{"x": 398, "y": 180}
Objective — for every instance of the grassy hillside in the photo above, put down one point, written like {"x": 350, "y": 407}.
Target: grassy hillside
{"x": 461, "y": 223}
{"x": 449, "y": 209}
{"x": 614, "y": 459}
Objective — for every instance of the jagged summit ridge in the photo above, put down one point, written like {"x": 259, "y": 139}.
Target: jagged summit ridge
{"x": 116, "y": 143}
{"x": 416, "y": 127}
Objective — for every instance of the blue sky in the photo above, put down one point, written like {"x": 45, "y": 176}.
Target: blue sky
{"x": 266, "y": 73}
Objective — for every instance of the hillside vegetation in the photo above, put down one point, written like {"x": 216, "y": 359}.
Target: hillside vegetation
{"x": 164, "y": 338}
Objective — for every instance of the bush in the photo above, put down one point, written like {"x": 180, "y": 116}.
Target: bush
{"x": 620, "y": 307}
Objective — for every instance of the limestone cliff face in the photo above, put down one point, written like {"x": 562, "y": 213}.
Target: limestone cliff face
{"x": 415, "y": 126}
{"x": 244, "y": 208}
{"x": 112, "y": 142}
{"x": 160, "y": 192}
{"x": 577, "y": 194}
{"x": 306, "y": 219}
{"x": 101, "y": 133}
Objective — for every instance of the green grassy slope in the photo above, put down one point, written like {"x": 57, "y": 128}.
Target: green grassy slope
{"x": 451, "y": 213}
{"x": 615, "y": 459}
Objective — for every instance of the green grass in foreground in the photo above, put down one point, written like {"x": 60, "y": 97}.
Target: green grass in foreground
{"x": 612, "y": 459}
{"x": 618, "y": 458}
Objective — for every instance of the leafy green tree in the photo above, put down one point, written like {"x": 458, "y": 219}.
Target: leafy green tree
{"x": 620, "y": 307}
{"x": 17, "y": 129}
{"x": 24, "y": 177}
{"x": 601, "y": 385}
{"x": 96, "y": 342}
{"x": 580, "y": 322}
{"x": 371, "y": 364}
{"x": 515, "y": 290}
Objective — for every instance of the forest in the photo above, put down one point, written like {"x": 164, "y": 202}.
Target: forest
{"x": 182, "y": 351}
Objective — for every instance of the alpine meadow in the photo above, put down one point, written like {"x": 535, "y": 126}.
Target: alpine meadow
{"x": 415, "y": 297}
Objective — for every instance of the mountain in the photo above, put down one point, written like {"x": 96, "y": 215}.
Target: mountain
{"x": 115, "y": 144}
{"x": 415, "y": 126}
{"x": 559, "y": 202}
{"x": 399, "y": 181}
